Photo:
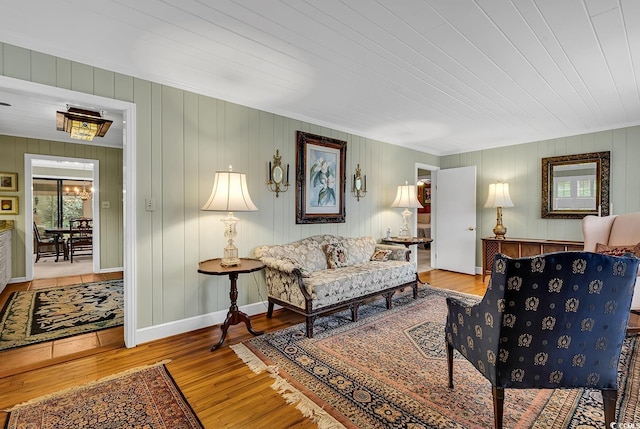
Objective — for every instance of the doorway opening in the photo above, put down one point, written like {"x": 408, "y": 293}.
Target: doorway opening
{"x": 425, "y": 222}
{"x": 46, "y": 94}
{"x": 63, "y": 191}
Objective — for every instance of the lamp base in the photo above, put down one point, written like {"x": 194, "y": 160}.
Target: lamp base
{"x": 404, "y": 231}
{"x": 230, "y": 262}
{"x": 230, "y": 257}
{"x": 499, "y": 230}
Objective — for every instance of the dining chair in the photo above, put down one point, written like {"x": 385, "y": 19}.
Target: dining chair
{"x": 80, "y": 241}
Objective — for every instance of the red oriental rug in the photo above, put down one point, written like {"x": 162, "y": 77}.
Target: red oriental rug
{"x": 144, "y": 397}
{"x": 389, "y": 370}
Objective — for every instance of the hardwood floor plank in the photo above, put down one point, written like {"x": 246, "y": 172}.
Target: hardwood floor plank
{"x": 222, "y": 390}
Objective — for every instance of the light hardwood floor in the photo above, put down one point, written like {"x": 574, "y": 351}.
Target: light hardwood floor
{"x": 223, "y": 391}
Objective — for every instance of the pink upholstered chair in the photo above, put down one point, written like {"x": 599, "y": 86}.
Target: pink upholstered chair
{"x": 614, "y": 231}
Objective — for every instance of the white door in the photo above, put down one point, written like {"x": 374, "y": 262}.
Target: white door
{"x": 455, "y": 209}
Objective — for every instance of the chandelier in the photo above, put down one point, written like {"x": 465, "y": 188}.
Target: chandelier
{"x": 82, "y": 193}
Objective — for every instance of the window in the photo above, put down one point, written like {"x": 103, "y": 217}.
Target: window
{"x": 586, "y": 188}
{"x": 55, "y": 201}
{"x": 563, "y": 188}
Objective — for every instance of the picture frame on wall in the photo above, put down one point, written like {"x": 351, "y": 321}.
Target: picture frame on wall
{"x": 8, "y": 205}
{"x": 320, "y": 179}
{"x": 9, "y": 182}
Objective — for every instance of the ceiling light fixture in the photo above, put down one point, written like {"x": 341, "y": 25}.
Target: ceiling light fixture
{"x": 82, "y": 124}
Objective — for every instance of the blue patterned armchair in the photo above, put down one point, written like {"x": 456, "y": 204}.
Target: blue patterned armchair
{"x": 552, "y": 321}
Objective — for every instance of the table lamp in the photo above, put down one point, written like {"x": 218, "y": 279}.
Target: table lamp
{"x": 230, "y": 194}
{"x": 498, "y": 198}
{"x": 406, "y": 197}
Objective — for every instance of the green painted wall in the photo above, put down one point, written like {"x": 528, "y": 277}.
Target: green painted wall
{"x": 182, "y": 139}
{"x": 521, "y": 167}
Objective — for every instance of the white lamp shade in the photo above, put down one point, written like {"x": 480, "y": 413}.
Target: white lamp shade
{"x": 230, "y": 193}
{"x": 499, "y": 196}
{"x": 407, "y": 197}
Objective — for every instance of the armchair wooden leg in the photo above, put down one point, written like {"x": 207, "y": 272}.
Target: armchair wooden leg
{"x": 450, "y": 364}
{"x": 609, "y": 397}
{"x": 498, "y": 403}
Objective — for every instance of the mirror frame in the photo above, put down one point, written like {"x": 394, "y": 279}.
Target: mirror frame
{"x": 602, "y": 160}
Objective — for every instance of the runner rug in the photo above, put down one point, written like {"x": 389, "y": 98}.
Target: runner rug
{"x": 34, "y": 316}
{"x": 145, "y": 397}
{"x": 389, "y": 370}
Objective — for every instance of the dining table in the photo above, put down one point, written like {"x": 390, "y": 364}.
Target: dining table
{"x": 59, "y": 235}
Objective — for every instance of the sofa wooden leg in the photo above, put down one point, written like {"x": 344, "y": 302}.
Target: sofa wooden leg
{"x": 270, "y": 310}
{"x": 387, "y": 297}
{"x": 309, "y": 325}
{"x": 415, "y": 290}
{"x": 354, "y": 311}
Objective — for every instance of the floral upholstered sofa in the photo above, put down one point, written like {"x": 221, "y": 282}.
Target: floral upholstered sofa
{"x": 320, "y": 273}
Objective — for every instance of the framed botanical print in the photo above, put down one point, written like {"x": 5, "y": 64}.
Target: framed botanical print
{"x": 9, "y": 182}
{"x": 320, "y": 179}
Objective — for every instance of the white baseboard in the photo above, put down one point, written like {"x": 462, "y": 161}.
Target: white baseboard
{"x": 152, "y": 333}
{"x": 111, "y": 270}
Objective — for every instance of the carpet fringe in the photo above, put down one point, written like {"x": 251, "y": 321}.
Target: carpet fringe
{"x": 85, "y": 385}
{"x": 291, "y": 395}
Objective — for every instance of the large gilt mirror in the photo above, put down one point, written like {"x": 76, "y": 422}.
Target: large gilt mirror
{"x": 574, "y": 186}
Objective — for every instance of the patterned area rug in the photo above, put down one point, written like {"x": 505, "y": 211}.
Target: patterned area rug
{"x": 30, "y": 317}
{"x": 389, "y": 370}
{"x": 140, "y": 398}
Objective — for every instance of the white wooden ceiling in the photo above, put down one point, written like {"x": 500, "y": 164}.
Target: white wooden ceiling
{"x": 441, "y": 76}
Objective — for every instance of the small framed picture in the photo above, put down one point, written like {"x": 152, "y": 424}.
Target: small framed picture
{"x": 8, "y": 205}
{"x": 8, "y": 181}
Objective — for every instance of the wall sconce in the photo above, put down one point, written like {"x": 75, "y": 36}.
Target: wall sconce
{"x": 277, "y": 182}
{"x": 359, "y": 188}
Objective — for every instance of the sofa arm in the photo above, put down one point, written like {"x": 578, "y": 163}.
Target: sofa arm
{"x": 286, "y": 265}
{"x": 398, "y": 253}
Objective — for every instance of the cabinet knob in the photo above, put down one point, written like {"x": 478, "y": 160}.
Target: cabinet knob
{"x": 471, "y": 228}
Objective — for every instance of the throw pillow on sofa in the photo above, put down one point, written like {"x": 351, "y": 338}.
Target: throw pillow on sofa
{"x": 381, "y": 255}
{"x": 336, "y": 255}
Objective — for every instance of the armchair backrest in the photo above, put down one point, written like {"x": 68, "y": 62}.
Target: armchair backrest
{"x": 554, "y": 320}
{"x": 614, "y": 230}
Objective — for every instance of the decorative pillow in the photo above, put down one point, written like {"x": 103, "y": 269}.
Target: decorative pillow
{"x": 336, "y": 255}
{"x": 296, "y": 264}
{"x": 381, "y": 255}
{"x": 618, "y": 250}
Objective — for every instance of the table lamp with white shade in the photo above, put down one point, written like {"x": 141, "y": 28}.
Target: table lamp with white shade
{"x": 498, "y": 198}
{"x": 230, "y": 194}
{"x": 407, "y": 197}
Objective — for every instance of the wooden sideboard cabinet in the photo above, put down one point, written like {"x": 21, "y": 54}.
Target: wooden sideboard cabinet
{"x": 522, "y": 247}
